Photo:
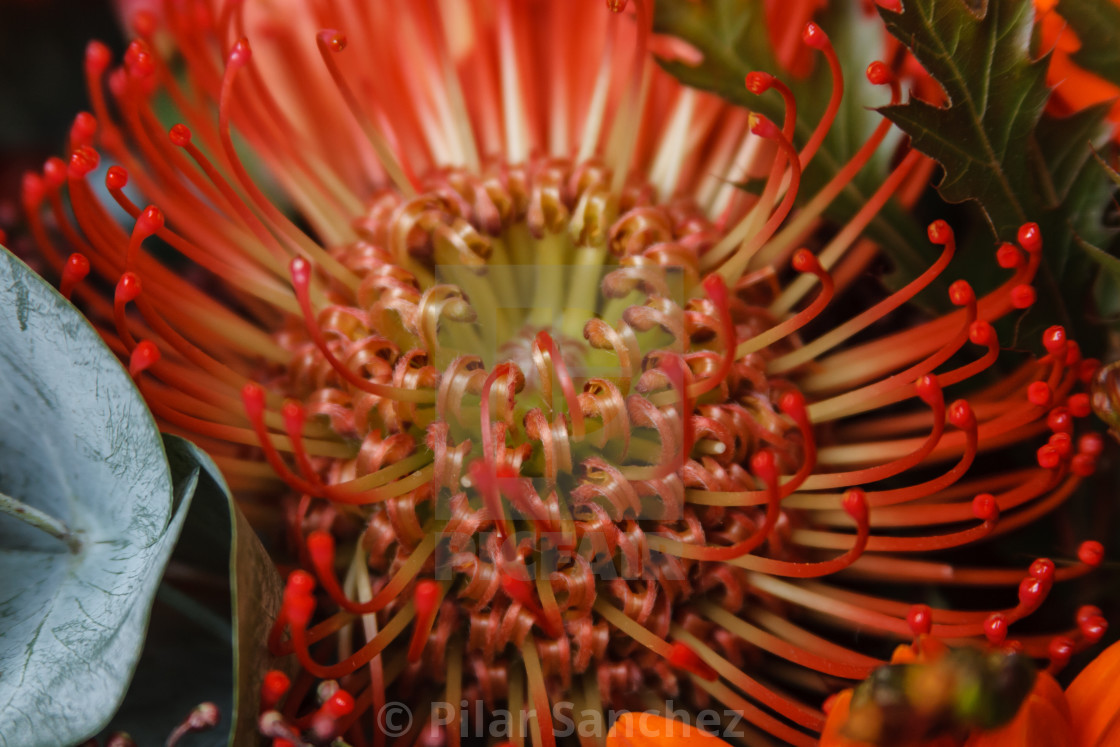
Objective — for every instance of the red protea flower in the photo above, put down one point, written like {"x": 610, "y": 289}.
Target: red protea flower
{"x": 552, "y": 410}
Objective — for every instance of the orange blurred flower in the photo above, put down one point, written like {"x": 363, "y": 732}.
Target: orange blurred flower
{"x": 1043, "y": 720}
{"x": 1094, "y": 700}
{"x": 1085, "y": 715}
{"x": 1074, "y": 87}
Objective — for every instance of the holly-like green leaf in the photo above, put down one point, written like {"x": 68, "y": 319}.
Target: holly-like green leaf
{"x": 996, "y": 94}
{"x": 1095, "y": 22}
{"x": 1066, "y": 145}
{"x": 1000, "y": 152}
{"x": 79, "y": 445}
{"x": 731, "y": 35}
{"x": 210, "y": 622}
{"x": 1108, "y": 263}
{"x": 1112, "y": 174}
{"x": 1072, "y": 196}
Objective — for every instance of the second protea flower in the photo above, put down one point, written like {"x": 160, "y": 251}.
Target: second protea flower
{"x": 534, "y": 375}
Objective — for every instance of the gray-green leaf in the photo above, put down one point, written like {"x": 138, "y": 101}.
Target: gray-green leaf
{"x": 194, "y": 651}
{"x": 79, "y": 444}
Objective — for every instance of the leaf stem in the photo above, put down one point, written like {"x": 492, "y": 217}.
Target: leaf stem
{"x": 36, "y": 518}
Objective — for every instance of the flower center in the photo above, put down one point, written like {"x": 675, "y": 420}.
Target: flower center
{"x": 586, "y": 379}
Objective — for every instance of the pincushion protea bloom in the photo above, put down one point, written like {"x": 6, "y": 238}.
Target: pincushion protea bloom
{"x": 539, "y": 406}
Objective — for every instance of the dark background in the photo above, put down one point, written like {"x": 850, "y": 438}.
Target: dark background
{"x": 42, "y": 85}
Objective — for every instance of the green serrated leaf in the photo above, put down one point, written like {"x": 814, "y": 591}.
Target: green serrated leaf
{"x": 1073, "y": 228}
{"x": 1084, "y": 211}
{"x": 731, "y": 35}
{"x": 1112, "y": 174}
{"x": 999, "y": 151}
{"x": 208, "y": 645}
{"x": 1108, "y": 263}
{"x": 1067, "y": 145}
{"x": 996, "y": 94}
{"x": 79, "y": 444}
{"x": 1095, "y": 22}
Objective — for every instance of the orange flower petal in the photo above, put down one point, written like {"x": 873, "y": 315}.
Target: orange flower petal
{"x": 649, "y": 730}
{"x": 1094, "y": 700}
{"x": 837, "y": 717}
{"x": 1043, "y": 720}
